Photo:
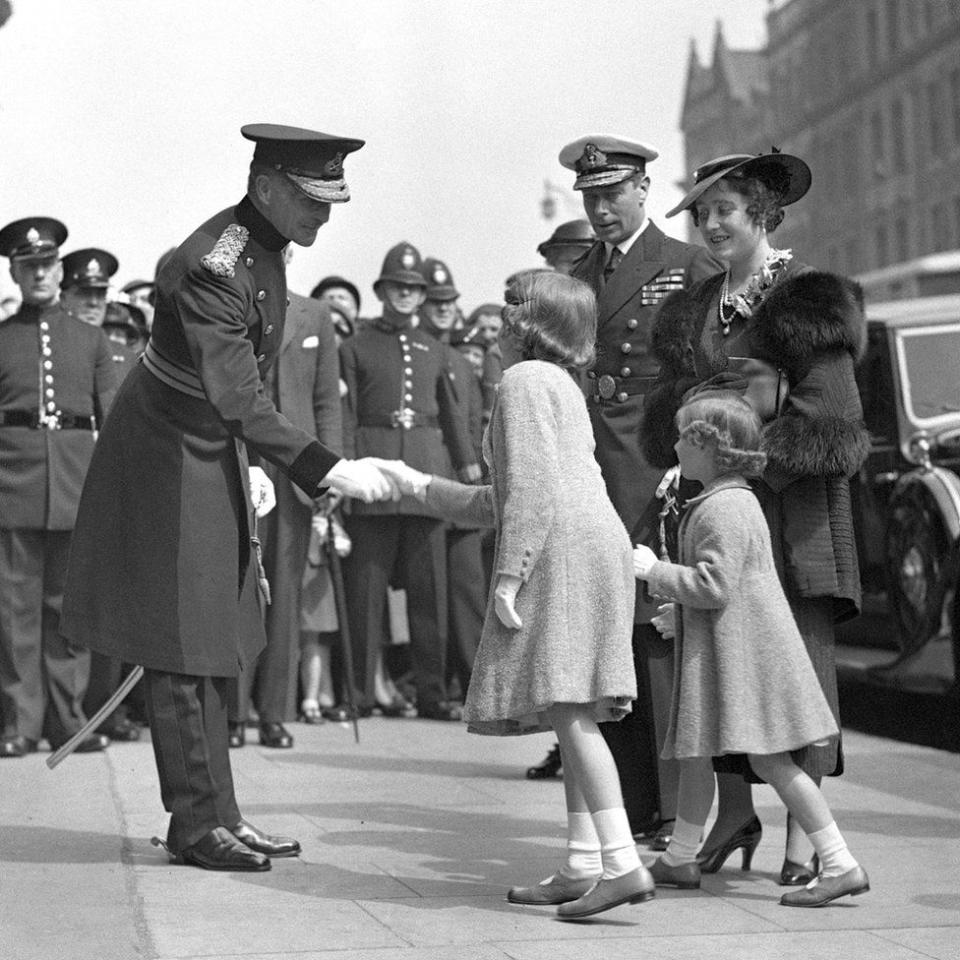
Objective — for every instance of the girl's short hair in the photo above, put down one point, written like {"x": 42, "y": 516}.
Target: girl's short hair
{"x": 726, "y": 419}
{"x": 763, "y": 200}
{"x": 553, "y": 316}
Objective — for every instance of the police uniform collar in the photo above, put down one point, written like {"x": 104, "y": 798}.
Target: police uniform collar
{"x": 34, "y": 312}
{"x": 384, "y": 326}
{"x": 262, "y": 231}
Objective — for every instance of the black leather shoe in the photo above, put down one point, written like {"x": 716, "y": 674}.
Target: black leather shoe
{"x": 745, "y": 840}
{"x": 550, "y": 766}
{"x": 441, "y": 711}
{"x": 221, "y": 850}
{"x": 827, "y": 889}
{"x": 263, "y": 843}
{"x": 122, "y": 730}
{"x": 237, "y": 736}
{"x": 17, "y": 746}
{"x": 398, "y": 707}
{"x": 793, "y": 874}
{"x": 275, "y": 735}
{"x": 92, "y": 744}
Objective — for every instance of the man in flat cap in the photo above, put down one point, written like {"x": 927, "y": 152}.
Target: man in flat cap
{"x": 86, "y": 278}
{"x": 56, "y": 382}
{"x": 165, "y": 568}
{"x": 632, "y": 267}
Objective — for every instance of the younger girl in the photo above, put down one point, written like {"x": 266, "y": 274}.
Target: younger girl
{"x": 555, "y": 651}
{"x": 743, "y": 682}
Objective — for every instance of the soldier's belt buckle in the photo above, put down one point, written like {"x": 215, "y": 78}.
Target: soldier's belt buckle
{"x": 51, "y": 421}
{"x": 606, "y": 387}
{"x": 402, "y": 418}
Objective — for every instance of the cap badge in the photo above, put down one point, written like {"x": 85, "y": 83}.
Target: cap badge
{"x": 439, "y": 275}
{"x": 408, "y": 260}
{"x": 591, "y": 158}
{"x": 33, "y": 237}
{"x": 93, "y": 268}
{"x": 334, "y": 168}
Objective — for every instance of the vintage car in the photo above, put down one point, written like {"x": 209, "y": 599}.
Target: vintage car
{"x": 907, "y": 496}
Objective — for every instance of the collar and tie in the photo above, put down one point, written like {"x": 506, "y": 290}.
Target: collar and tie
{"x": 616, "y": 255}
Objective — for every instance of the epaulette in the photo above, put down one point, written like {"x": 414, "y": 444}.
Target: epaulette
{"x": 221, "y": 260}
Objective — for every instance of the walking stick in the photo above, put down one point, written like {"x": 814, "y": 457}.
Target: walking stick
{"x": 63, "y": 752}
{"x": 340, "y": 599}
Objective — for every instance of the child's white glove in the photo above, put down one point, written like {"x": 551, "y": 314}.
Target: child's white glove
{"x": 666, "y": 620}
{"x": 643, "y": 559}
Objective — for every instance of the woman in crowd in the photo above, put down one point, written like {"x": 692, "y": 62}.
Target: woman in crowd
{"x": 788, "y": 337}
{"x": 555, "y": 649}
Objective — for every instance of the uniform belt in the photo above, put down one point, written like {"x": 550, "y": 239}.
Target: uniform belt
{"x": 607, "y": 388}
{"x": 407, "y": 419}
{"x": 171, "y": 373}
{"x": 53, "y": 421}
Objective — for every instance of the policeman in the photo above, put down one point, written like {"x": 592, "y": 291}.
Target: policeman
{"x": 56, "y": 382}
{"x": 567, "y": 244}
{"x": 401, "y": 404}
{"x": 466, "y": 581}
{"x": 632, "y": 267}
{"x": 86, "y": 277}
{"x": 164, "y": 572}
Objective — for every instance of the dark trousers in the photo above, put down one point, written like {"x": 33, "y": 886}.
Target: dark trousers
{"x": 188, "y": 726}
{"x": 414, "y": 548}
{"x": 467, "y": 595}
{"x": 43, "y": 678}
{"x": 649, "y": 785}
{"x": 270, "y": 682}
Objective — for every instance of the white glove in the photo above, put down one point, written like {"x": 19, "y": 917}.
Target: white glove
{"x": 361, "y": 479}
{"x": 504, "y": 600}
{"x": 665, "y": 621}
{"x": 262, "y": 495}
{"x": 410, "y": 481}
{"x": 643, "y": 559}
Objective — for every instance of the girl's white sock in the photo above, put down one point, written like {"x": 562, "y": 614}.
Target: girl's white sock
{"x": 835, "y": 858}
{"x": 617, "y": 849}
{"x": 583, "y": 847}
{"x": 683, "y": 844}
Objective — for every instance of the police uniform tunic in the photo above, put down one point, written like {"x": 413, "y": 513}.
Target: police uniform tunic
{"x": 162, "y": 573}
{"x": 56, "y": 382}
{"x": 401, "y": 404}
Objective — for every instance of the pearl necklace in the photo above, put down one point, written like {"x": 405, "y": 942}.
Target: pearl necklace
{"x": 744, "y": 303}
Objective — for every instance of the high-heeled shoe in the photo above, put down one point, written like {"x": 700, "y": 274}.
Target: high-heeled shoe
{"x": 793, "y": 874}
{"x": 548, "y": 767}
{"x": 746, "y": 839}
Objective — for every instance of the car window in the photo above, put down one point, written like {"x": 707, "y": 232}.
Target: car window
{"x": 930, "y": 363}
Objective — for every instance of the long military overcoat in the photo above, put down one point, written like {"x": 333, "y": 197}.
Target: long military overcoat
{"x": 161, "y": 570}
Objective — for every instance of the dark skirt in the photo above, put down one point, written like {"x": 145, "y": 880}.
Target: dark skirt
{"x": 815, "y": 619}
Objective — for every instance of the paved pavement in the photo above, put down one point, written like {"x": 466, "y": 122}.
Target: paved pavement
{"x": 410, "y": 841}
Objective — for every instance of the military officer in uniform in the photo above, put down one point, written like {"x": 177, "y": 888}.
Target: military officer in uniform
{"x": 401, "y": 404}
{"x": 632, "y": 267}
{"x": 86, "y": 277}
{"x": 164, "y": 570}
{"x": 56, "y": 382}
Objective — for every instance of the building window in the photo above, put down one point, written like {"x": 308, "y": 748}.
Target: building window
{"x": 882, "y": 245}
{"x": 878, "y": 146}
{"x": 934, "y": 118}
{"x": 902, "y": 239}
{"x": 898, "y": 136}
{"x": 873, "y": 36}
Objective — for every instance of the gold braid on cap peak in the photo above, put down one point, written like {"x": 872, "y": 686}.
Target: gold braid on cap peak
{"x": 221, "y": 260}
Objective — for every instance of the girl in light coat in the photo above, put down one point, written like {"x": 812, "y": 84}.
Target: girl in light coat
{"x": 743, "y": 682}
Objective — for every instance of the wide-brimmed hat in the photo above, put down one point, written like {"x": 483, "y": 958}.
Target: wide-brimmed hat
{"x": 573, "y": 233}
{"x": 788, "y": 176}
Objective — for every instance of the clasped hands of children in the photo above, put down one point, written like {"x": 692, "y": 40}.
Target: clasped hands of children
{"x": 664, "y": 622}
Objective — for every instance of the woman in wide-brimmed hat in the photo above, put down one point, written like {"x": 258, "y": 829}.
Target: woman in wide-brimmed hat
{"x": 788, "y": 336}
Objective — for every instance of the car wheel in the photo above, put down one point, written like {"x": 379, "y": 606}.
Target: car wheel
{"x": 918, "y": 564}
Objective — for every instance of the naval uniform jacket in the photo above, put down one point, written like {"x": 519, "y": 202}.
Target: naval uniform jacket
{"x": 162, "y": 570}
{"x": 42, "y": 470}
{"x": 397, "y": 377}
{"x": 625, "y": 369}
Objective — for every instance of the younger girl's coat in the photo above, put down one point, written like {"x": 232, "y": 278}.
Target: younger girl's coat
{"x": 743, "y": 681}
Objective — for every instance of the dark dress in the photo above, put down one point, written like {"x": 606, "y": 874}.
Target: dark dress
{"x": 809, "y": 327}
